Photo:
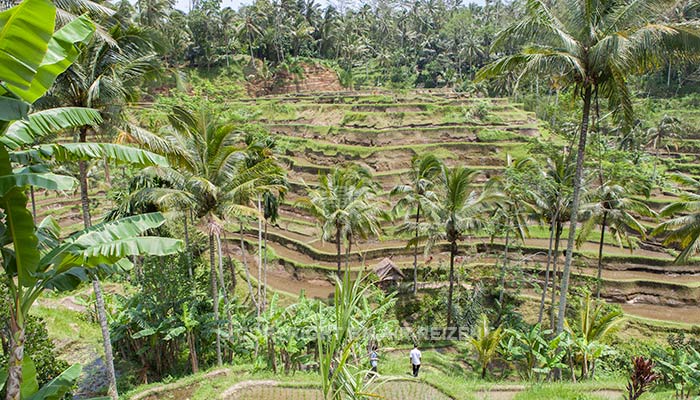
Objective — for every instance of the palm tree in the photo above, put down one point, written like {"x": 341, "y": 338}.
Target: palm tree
{"x": 270, "y": 214}
{"x": 259, "y": 149}
{"x": 416, "y": 195}
{"x": 154, "y": 13}
{"x": 248, "y": 31}
{"x": 459, "y": 210}
{"x": 612, "y": 210}
{"x": 103, "y": 77}
{"x": 215, "y": 180}
{"x": 346, "y": 205}
{"x": 511, "y": 213}
{"x": 594, "y": 47}
{"x": 594, "y": 324}
{"x": 667, "y": 127}
{"x": 554, "y": 203}
{"x": 486, "y": 343}
{"x": 683, "y": 229}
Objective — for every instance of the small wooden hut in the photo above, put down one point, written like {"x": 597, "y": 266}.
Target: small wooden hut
{"x": 389, "y": 273}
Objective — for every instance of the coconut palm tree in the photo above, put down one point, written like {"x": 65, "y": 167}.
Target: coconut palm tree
{"x": 668, "y": 127}
{"x": 459, "y": 210}
{"x": 270, "y": 213}
{"x": 684, "y": 228}
{"x": 613, "y": 210}
{"x": 553, "y": 202}
{"x": 511, "y": 214}
{"x": 248, "y": 31}
{"x": 593, "y": 47}
{"x": 214, "y": 179}
{"x": 486, "y": 343}
{"x": 104, "y": 77}
{"x": 346, "y": 205}
{"x": 593, "y": 325}
{"x": 261, "y": 147}
{"x": 417, "y": 195}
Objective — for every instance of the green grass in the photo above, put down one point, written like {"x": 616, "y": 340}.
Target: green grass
{"x": 494, "y": 135}
{"x": 442, "y": 376}
{"x": 332, "y": 149}
{"x": 558, "y": 392}
{"x": 76, "y": 338}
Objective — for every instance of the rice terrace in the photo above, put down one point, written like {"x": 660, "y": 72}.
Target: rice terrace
{"x": 416, "y": 199}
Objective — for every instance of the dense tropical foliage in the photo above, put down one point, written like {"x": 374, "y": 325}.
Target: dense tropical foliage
{"x": 138, "y": 109}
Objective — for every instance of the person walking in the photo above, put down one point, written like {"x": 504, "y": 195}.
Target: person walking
{"x": 373, "y": 360}
{"x": 415, "y": 360}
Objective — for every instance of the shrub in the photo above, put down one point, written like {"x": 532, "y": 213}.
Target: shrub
{"x": 486, "y": 343}
{"x": 642, "y": 377}
{"x": 38, "y": 347}
{"x": 679, "y": 365}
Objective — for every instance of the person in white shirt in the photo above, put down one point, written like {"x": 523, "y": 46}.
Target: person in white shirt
{"x": 415, "y": 360}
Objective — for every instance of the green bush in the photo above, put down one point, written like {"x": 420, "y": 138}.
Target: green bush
{"x": 490, "y": 135}
{"x": 38, "y": 347}
{"x": 352, "y": 117}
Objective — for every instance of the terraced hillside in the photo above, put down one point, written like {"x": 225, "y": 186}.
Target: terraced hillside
{"x": 382, "y": 132}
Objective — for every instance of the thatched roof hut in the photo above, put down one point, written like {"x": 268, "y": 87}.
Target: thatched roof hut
{"x": 387, "y": 271}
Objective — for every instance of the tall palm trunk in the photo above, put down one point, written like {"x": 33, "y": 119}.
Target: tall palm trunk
{"x": 187, "y": 252}
{"x": 574, "y": 209}
{"x": 415, "y": 254}
{"x": 545, "y": 287}
{"x": 84, "y": 197}
{"x": 108, "y": 175}
{"x": 222, "y": 285}
{"x": 555, "y": 275}
{"x": 348, "y": 249}
{"x": 504, "y": 269}
{"x": 656, "y": 157}
{"x": 245, "y": 267}
{"x": 261, "y": 301}
{"x": 16, "y": 355}
{"x": 264, "y": 297}
{"x": 600, "y": 254}
{"x": 99, "y": 299}
{"x": 214, "y": 296}
{"x": 453, "y": 253}
{"x": 107, "y": 340}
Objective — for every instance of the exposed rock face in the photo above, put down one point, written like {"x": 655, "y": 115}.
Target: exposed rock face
{"x": 314, "y": 78}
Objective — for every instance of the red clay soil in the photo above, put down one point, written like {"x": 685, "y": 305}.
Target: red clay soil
{"x": 315, "y": 78}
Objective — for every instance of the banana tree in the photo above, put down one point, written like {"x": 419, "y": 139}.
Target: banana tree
{"x": 57, "y": 388}
{"x": 32, "y": 56}
{"x": 38, "y": 261}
